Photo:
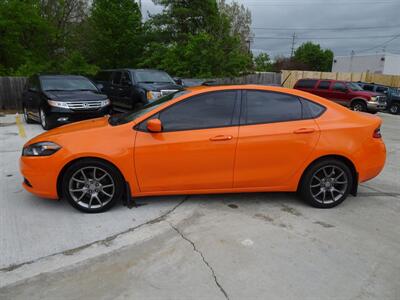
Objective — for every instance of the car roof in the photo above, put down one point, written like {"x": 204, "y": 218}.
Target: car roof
{"x": 130, "y": 70}
{"x": 60, "y": 76}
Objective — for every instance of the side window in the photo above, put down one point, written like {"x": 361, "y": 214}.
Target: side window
{"x": 116, "y": 78}
{"x": 269, "y": 107}
{"x": 204, "y": 111}
{"x": 339, "y": 86}
{"x": 306, "y": 83}
{"x": 311, "y": 109}
{"x": 381, "y": 89}
{"x": 368, "y": 87}
{"x": 33, "y": 84}
{"x": 324, "y": 85}
{"x": 125, "y": 80}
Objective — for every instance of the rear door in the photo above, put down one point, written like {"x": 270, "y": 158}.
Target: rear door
{"x": 322, "y": 88}
{"x": 340, "y": 93}
{"x": 274, "y": 140}
{"x": 195, "y": 150}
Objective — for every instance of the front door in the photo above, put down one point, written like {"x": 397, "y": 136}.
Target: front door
{"x": 274, "y": 141}
{"x": 195, "y": 150}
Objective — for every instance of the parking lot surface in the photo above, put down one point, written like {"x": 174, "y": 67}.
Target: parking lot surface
{"x": 244, "y": 246}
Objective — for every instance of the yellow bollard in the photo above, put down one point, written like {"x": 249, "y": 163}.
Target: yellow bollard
{"x": 20, "y": 125}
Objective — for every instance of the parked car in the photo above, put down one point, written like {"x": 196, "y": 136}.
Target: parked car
{"x": 53, "y": 100}
{"x": 225, "y": 139}
{"x": 392, "y": 94}
{"x": 345, "y": 93}
{"x": 129, "y": 89}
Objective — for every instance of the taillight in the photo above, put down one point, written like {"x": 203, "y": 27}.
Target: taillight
{"x": 377, "y": 133}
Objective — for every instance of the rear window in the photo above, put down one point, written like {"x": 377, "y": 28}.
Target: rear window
{"x": 306, "y": 83}
{"x": 311, "y": 109}
{"x": 324, "y": 85}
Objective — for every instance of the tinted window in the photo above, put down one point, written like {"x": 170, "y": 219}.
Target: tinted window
{"x": 381, "y": 89}
{"x": 368, "y": 87}
{"x": 203, "y": 111}
{"x": 324, "y": 85}
{"x": 67, "y": 84}
{"x": 311, "y": 109}
{"x": 151, "y": 76}
{"x": 306, "y": 83}
{"x": 268, "y": 107}
{"x": 116, "y": 78}
{"x": 125, "y": 80}
{"x": 339, "y": 86}
{"x": 33, "y": 84}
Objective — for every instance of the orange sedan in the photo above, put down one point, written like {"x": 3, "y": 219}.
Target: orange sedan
{"x": 224, "y": 139}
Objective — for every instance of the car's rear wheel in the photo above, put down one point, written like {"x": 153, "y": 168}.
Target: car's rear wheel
{"x": 27, "y": 119}
{"x": 395, "y": 109}
{"x": 92, "y": 186}
{"x": 359, "y": 106}
{"x": 326, "y": 183}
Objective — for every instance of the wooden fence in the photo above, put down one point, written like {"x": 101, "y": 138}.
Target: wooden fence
{"x": 291, "y": 77}
{"x": 265, "y": 78}
{"x": 11, "y": 89}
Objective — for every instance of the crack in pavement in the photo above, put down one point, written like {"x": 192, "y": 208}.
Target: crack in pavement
{"x": 203, "y": 258}
{"x": 105, "y": 241}
{"x": 381, "y": 193}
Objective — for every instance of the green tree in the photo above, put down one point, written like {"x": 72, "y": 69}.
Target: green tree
{"x": 194, "y": 39}
{"x": 314, "y": 57}
{"x": 25, "y": 36}
{"x": 262, "y": 63}
{"x": 115, "y": 34}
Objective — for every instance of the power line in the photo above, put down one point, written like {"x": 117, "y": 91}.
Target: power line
{"x": 325, "y": 28}
{"x": 288, "y": 3}
{"x": 322, "y": 37}
{"x": 384, "y": 44}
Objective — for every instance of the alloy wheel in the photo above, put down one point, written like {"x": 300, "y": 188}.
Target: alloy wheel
{"x": 394, "y": 109}
{"x": 328, "y": 184}
{"x": 91, "y": 187}
{"x": 358, "y": 107}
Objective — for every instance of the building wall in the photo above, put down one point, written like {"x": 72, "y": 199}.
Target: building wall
{"x": 359, "y": 63}
{"x": 392, "y": 64}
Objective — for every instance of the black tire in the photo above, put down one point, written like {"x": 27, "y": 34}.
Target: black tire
{"x": 319, "y": 193}
{"x": 44, "y": 120}
{"x": 395, "y": 108}
{"x": 27, "y": 119}
{"x": 359, "y": 105}
{"x": 86, "y": 203}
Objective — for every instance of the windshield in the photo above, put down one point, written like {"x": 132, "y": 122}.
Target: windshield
{"x": 150, "y": 76}
{"x": 130, "y": 116}
{"x": 67, "y": 84}
{"x": 354, "y": 86}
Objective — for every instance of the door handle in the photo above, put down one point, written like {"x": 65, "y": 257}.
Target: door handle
{"x": 221, "y": 138}
{"x": 304, "y": 130}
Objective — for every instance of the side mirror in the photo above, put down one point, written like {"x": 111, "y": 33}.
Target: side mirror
{"x": 178, "y": 81}
{"x": 100, "y": 86}
{"x": 154, "y": 125}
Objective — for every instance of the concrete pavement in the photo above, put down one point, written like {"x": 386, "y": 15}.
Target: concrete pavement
{"x": 245, "y": 246}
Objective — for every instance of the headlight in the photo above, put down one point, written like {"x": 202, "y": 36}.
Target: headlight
{"x": 41, "y": 149}
{"x": 105, "y": 102}
{"x": 373, "y": 99}
{"x": 153, "y": 95}
{"x": 58, "y": 104}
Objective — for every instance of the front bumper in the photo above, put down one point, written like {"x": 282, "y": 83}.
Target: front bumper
{"x": 60, "y": 116}
{"x": 376, "y": 106}
{"x": 40, "y": 175}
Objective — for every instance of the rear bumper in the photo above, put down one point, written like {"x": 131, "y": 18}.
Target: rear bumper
{"x": 371, "y": 167}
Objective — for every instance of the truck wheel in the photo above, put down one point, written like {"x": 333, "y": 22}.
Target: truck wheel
{"x": 359, "y": 106}
{"x": 395, "y": 109}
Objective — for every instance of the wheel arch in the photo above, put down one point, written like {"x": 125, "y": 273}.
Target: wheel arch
{"x": 60, "y": 176}
{"x": 358, "y": 99}
{"x": 341, "y": 158}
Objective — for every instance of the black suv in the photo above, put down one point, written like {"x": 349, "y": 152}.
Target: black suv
{"x": 129, "y": 89}
{"x": 54, "y": 100}
{"x": 392, "y": 94}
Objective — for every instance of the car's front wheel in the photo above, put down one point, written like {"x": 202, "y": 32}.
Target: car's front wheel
{"x": 395, "y": 109}
{"x": 92, "y": 185}
{"x": 44, "y": 119}
{"x": 359, "y": 106}
{"x": 27, "y": 119}
{"x": 326, "y": 183}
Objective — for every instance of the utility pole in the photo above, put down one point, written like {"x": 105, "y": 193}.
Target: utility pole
{"x": 293, "y": 43}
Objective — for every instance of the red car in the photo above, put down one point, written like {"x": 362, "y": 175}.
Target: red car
{"x": 345, "y": 93}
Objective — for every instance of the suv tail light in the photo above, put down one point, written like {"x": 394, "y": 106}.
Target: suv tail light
{"x": 377, "y": 133}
